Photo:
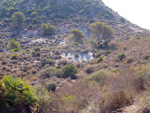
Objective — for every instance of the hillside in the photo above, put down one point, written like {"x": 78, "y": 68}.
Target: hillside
{"x": 66, "y": 14}
{"x": 75, "y": 56}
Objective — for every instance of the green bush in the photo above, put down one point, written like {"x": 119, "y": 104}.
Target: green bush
{"x": 107, "y": 16}
{"x": 108, "y": 52}
{"x": 125, "y": 48}
{"x": 99, "y": 77}
{"x": 58, "y": 67}
{"x": 37, "y": 49}
{"x": 15, "y": 50}
{"x": 38, "y": 54}
{"x": 13, "y": 44}
{"x": 147, "y": 57}
{"x": 98, "y": 55}
{"x": 44, "y": 62}
{"x": 28, "y": 20}
{"x": 25, "y": 69}
{"x": 14, "y": 56}
{"x": 29, "y": 11}
{"x": 101, "y": 46}
{"x": 47, "y": 61}
{"x": 100, "y": 59}
{"x": 69, "y": 71}
{"x": 48, "y": 29}
{"x": 77, "y": 44}
{"x": 122, "y": 56}
{"x": 30, "y": 27}
{"x": 33, "y": 14}
{"x": 16, "y": 95}
{"x": 35, "y": 20}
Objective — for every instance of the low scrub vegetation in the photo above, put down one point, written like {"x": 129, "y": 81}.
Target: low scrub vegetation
{"x": 74, "y": 62}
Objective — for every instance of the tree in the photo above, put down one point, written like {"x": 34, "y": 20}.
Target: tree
{"x": 102, "y": 31}
{"x": 48, "y": 29}
{"x": 16, "y": 96}
{"x": 18, "y": 18}
{"x": 13, "y": 44}
{"x": 77, "y": 35}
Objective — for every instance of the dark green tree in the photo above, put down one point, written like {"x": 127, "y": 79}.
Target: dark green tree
{"x": 102, "y": 31}
{"x": 48, "y": 29}
{"x": 77, "y": 35}
{"x": 18, "y": 18}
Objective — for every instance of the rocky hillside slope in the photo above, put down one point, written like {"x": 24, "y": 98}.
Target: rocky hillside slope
{"x": 67, "y": 14}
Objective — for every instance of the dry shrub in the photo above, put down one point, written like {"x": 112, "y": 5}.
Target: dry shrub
{"x": 29, "y": 67}
{"x": 78, "y": 97}
{"x": 51, "y": 86}
{"x": 1, "y": 56}
{"x": 89, "y": 69}
{"x": 4, "y": 62}
{"x": 129, "y": 59}
{"x": 116, "y": 92}
{"x": 116, "y": 100}
{"x": 63, "y": 62}
{"x": 92, "y": 62}
{"x": 91, "y": 108}
{"x": 48, "y": 102}
{"x": 143, "y": 78}
{"x": 119, "y": 91}
{"x": 81, "y": 96}
{"x": 34, "y": 71}
{"x": 79, "y": 65}
{"x": 34, "y": 78}
{"x": 114, "y": 83}
{"x": 127, "y": 80}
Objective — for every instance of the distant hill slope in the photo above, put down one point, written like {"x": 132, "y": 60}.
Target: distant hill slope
{"x": 82, "y": 12}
